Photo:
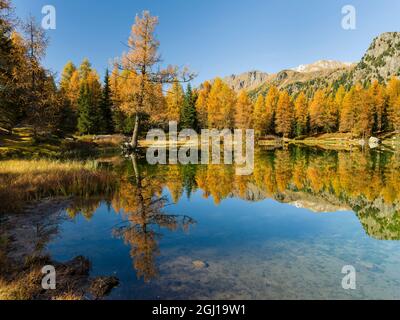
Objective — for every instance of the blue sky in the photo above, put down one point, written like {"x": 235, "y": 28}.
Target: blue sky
{"x": 216, "y": 37}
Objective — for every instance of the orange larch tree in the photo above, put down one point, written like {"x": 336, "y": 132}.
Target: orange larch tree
{"x": 284, "y": 115}
{"x": 259, "y": 116}
{"x": 143, "y": 61}
{"x": 301, "y": 114}
{"x": 201, "y": 105}
{"x": 271, "y": 102}
{"x": 221, "y": 106}
{"x": 244, "y": 111}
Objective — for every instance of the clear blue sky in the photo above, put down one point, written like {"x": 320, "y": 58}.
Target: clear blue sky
{"x": 216, "y": 37}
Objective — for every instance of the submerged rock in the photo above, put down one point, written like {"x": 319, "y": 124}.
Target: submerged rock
{"x": 79, "y": 266}
{"x": 198, "y": 264}
{"x": 102, "y": 286}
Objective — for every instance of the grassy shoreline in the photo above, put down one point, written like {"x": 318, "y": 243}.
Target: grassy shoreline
{"x": 336, "y": 141}
{"x": 23, "y": 181}
{"x": 20, "y": 144}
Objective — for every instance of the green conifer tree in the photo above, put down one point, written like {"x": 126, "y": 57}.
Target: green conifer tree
{"x": 188, "y": 112}
{"x": 88, "y": 112}
{"x": 106, "y": 104}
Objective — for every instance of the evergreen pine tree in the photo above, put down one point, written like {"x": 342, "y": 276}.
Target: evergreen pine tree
{"x": 106, "y": 104}
{"x": 119, "y": 121}
{"x": 68, "y": 116}
{"x": 188, "y": 112}
{"x": 88, "y": 116}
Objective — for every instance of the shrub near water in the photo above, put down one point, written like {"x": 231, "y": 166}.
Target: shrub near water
{"x": 26, "y": 180}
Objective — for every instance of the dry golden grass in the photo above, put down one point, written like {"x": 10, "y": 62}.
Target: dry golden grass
{"x": 22, "y": 288}
{"x": 24, "y": 281}
{"x": 27, "y": 180}
{"x": 104, "y": 141}
{"x": 68, "y": 296}
{"x": 37, "y": 166}
{"x": 110, "y": 141}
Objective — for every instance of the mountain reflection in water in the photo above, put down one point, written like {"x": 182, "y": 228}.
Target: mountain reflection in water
{"x": 204, "y": 232}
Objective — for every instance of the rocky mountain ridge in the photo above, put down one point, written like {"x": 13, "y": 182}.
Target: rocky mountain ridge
{"x": 380, "y": 62}
{"x": 247, "y": 81}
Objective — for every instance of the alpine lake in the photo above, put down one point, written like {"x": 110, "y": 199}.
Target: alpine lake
{"x": 202, "y": 232}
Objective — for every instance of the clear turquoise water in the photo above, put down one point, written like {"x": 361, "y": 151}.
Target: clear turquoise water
{"x": 248, "y": 249}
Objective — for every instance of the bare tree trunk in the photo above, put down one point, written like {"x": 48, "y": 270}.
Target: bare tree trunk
{"x": 135, "y": 168}
{"x": 135, "y": 135}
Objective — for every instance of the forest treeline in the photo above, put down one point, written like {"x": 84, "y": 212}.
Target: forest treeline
{"x": 29, "y": 94}
{"x": 131, "y": 97}
{"x": 82, "y": 103}
{"x": 361, "y": 110}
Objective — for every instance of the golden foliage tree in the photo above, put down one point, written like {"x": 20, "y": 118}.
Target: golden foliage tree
{"x": 201, "y": 105}
{"x": 347, "y": 114}
{"x": 15, "y": 80}
{"x": 301, "y": 114}
{"x": 66, "y": 76}
{"x": 221, "y": 105}
{"x": 357, "y": 115}
{"x": 317, "y": 110}
{"x": 323, "y": 112}
{"x": 271, "y": 102}
{"x": 284, "y": 115}
{"x": 142, "y": 61}
{"x": 175, "y": 99}
{"x": 244, "y": 111}
{"x": 379, "y": 105}
{"x": 74, "y": 89}
{"x": 395, "y": 114}
{"x": 259, "y": 122}
{"x": 393, "y": 93}
{"x": 331, "y": 115}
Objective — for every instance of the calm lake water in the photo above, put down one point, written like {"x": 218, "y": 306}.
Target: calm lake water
{"x": 285, "y": 232}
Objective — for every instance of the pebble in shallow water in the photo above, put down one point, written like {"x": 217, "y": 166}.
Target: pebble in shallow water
{"x": 200, "y": 264}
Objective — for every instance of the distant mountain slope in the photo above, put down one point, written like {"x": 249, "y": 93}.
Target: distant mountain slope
{"x": 322, "y": 65}
{"x": 247, "y": 81}
{"x": 294, "y": 81}
{"x": 313, "y": 76}
{"x": 380, "y": 62}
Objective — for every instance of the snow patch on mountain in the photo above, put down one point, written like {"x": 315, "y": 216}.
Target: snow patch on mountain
{"x": 322, "y": 65}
